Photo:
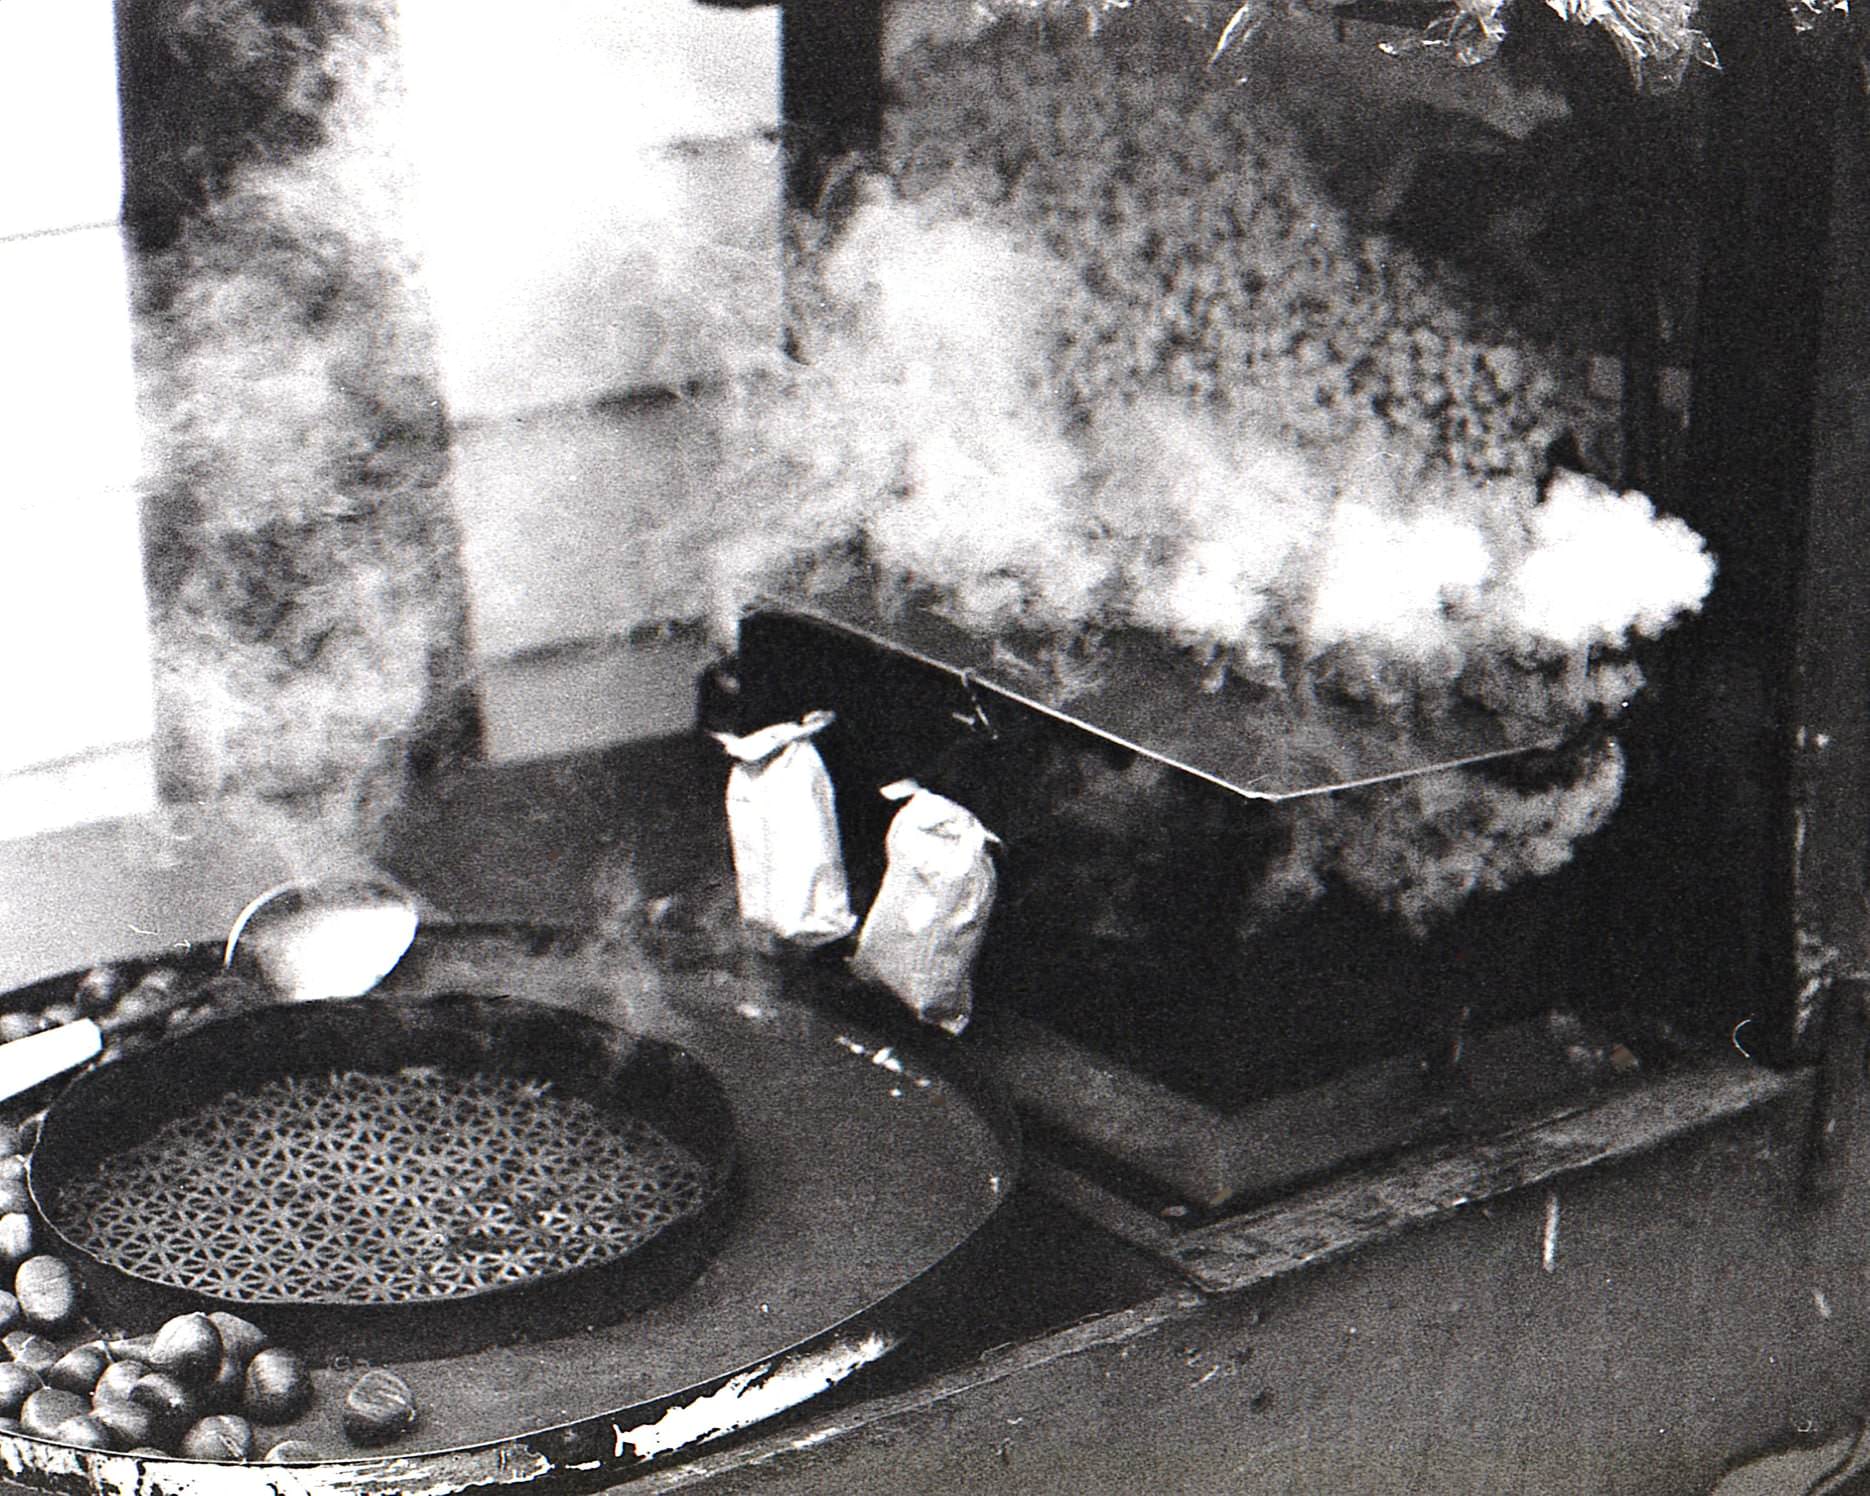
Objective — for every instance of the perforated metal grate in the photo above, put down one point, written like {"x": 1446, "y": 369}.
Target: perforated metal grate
{"x": 361, "y": 1188}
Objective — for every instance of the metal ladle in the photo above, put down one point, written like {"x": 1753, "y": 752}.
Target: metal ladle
{"x": 308, "y": 941}
{"x": 302, "y": 941}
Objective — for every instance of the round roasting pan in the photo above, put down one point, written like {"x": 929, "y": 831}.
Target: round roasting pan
{"x": 865, "y": 1166}
{"x": 630, "y": 1081}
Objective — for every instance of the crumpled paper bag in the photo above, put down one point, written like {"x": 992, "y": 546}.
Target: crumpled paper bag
{"x": 782, "y": 822}
{"x": 921, "y": 935}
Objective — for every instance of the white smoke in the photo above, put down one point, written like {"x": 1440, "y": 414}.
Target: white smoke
{"x": 922, "y": 450}
{"x": 300, "y": 477}
{"x": 923, "y": 436}
{"x": 1602, "y": 566}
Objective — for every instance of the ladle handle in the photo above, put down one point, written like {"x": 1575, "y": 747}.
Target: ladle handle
{"x": 37, "y": 1058}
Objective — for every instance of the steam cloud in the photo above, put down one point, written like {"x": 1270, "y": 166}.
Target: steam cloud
{"x": 922, "y": 437}
{"x": 923, "y": 452}
{"x": 309, "y": 610}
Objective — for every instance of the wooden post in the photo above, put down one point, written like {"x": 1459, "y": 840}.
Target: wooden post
{"x": 1732, "y": 710}
{"x": 1832, "y": 806}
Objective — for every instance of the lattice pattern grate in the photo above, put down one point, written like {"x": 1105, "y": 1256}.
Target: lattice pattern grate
{"x": 361, "y": 1188}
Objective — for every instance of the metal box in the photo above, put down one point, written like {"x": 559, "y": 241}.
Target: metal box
{"x": 1152, "y": 1027}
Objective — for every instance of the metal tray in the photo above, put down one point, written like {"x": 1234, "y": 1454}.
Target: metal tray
{"x": 438, "y": 1172}
{"x": 868, "y": 1166}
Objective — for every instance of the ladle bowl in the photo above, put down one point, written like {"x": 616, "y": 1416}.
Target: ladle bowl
{"x": 300, "y": 941}
{"x": 312, "y": 940}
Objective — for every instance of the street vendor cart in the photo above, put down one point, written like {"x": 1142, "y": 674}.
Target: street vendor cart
{"x": 1418, "y": 1040}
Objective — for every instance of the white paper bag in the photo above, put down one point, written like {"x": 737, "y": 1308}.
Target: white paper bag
{"x": 782, "y": 821}
{"x": 922, "y": 933}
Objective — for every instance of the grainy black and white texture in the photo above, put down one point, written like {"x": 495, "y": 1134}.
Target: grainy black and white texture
{"x": 1094, "y": 343}
{"x": 310, "y": 617}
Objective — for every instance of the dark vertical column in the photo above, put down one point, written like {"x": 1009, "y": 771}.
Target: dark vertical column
{"x": 830, "y": 89}
{"x": 1649, "y": 167}
{"x": 1832, "y": 807}
{"x": 1733, "y": 707}
{"x": 830, "y": 110}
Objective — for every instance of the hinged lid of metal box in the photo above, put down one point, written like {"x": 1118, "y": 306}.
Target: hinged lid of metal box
{"x": 1140, "y": 692}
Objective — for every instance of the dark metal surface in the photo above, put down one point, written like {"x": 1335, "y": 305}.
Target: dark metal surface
{"x": 1143, "y": 695}
{"x": 865, "y": 1169}
{"x": 1109, "y": 862}
{"x": 446, "y": 1172}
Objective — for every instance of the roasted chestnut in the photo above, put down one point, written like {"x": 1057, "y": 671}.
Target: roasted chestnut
{"x": 130, "y": 1424}
{"x": 86, "y": 1431}
{"x": 380, "y": 1407}
{"x": 47, "y": 1408}
{"x": 46, "y": 1290}
{"x": 188, "y": 1347}
{"x": 29, "y": 1349}
{"x": 78, "y": 1370}
{"x": 17, "y": 1383}
{"x": 117, "y": 1380}
{"x": 240, "y": 1338}
{"x": 278, "y": 1388}
{"x": 15, "y": 1237}
{"x": 219, "y": 1436}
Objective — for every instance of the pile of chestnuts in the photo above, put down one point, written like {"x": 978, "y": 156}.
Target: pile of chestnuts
{"x": 203, "y": 1385}
{"x": 200, "y": 1388}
